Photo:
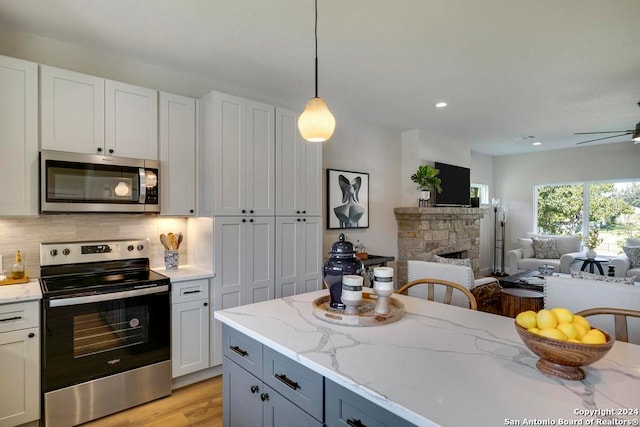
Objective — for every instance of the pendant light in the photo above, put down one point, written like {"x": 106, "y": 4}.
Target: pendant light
{"x": 316, "y": 123}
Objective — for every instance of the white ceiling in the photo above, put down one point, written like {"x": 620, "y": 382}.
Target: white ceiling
{"x": 507, "y": 68}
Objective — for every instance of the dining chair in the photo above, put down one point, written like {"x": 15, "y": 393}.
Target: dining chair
{"x": 619, "y": 319}
{"x": 431, "y": 290}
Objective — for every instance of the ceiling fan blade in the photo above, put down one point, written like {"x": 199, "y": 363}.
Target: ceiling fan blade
{"x": 606, "y": 137}
{"x": 607, "y": 131}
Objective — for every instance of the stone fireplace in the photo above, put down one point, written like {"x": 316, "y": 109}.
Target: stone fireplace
{"x": 445, "y": 231}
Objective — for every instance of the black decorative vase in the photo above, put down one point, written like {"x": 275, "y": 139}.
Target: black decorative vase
{"x": 342, "y": 261}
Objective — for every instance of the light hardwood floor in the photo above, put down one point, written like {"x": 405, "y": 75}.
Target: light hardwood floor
{"x": 198, "y": 404}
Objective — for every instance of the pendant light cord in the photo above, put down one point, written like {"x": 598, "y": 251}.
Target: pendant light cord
{"x": 316, "y": 35}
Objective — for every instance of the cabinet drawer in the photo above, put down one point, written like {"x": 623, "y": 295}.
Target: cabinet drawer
{"x": 344, "y": 407}
{"x": 243, "y": 350}
{"x": 19, "y": 315}
{"x": 191, "y": 290}
{"x": 297, "y": 383}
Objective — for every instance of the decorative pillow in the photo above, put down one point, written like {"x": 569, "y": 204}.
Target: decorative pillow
{"x": 633, "y": 253}
{"x": 591, "y": 276}
{"x": 454, "y": 261}
{"x": 545, "y": 248}
{"x": 527, "y": 247}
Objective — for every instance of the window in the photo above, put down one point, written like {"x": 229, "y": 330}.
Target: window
{"x": 613, "y": 208}
{"x": 481, "y": 191}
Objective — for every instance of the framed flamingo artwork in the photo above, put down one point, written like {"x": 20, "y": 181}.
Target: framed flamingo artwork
{"x": 347, "y": 199}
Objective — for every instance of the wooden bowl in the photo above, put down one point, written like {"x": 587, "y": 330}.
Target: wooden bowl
{"x": 563, "y": 359}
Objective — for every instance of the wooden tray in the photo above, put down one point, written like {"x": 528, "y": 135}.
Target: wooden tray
{"x": 14, "y": 281}
{"x": 365, "y": 316}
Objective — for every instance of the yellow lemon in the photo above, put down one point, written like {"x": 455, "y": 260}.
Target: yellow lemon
{"x": 553, "y": 333}
{"x": 580, "y": 329}
{"x": 582, "y": 321}
{"x": 568, "y": 329}
{"x": 527, "y": 319}
{"x": 596, "y": 332}
{"x": 574, "y": 341}
{"x": 589, "y": 338}
{"x": 534, "y": 330}
{"x": 546, "y": 319}
{"x": 563, "y": 315}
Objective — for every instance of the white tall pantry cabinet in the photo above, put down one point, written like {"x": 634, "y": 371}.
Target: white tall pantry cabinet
{"x": 257, "y": 177}
{"x": 18, "y": 136}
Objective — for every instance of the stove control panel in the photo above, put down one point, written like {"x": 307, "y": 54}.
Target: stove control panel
{"x": 57, "y": 253}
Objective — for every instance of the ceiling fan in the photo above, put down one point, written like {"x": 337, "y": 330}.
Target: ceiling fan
{"x": 635, "y": 134}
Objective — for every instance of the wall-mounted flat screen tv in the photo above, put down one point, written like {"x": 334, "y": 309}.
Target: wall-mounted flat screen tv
{"x": 456, "y": 185}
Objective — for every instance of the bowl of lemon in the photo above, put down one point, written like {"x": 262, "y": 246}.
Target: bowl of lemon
{"x": 564, "y": 341}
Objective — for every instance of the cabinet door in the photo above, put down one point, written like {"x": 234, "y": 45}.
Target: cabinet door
{"x": 20, "y": 361}
{"x": 260, "y": 259}
{"x": 72, "y": 111}
{"x": 278, "y": 411}
{"x": 131, "y": 121}
{"x": 189, "y": 337}
{"x": 229, "y": 284}
{"x": 260, "y": 163}
{"x": 242, "y": 405}
{"x": 298, "y": 169}
{"x": 287, "y": 256}
{"x": 18, "y": 136}
{"x": 310, "y": 277}
{"x": 229, "y": 155}
{"x": 298, "y": 255}
{"x": 177, "y": 155}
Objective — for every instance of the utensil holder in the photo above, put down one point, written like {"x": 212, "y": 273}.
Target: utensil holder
{"x": 171, "y": 259}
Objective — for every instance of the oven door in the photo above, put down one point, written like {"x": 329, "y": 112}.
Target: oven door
{"x": 89, "y": 337}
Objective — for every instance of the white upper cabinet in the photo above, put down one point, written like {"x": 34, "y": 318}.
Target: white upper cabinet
{"x": 18, "y": 136}
{"x": 72, "y": 109}
{"x": 88, "y": 114}
{"x": 177, "y": 155}
{"x": 131, "y": 120}
{"x": 298, "y": 169}
{"x": 243, "y": 156}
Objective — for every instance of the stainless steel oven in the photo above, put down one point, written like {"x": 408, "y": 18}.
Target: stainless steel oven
{"x": 73, "y": 182}
{"x": 106, "y": 330}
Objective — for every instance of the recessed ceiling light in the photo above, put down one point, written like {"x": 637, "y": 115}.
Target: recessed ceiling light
{"x": 441, "y": 104}
{"x": 537, "y": 143}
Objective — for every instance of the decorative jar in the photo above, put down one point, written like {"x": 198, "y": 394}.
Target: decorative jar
{"x": 342, "y": 261}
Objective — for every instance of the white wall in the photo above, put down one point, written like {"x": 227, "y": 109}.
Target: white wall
{"x": 515, "y": 177}
{"x": 361, "y": 148}
{"x": 482, "y": 173}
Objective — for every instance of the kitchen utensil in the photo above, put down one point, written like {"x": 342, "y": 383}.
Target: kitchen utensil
{"x": 172, "y": 241}
{"x": 179, "y": 240}
{"x": 163, "y": 240}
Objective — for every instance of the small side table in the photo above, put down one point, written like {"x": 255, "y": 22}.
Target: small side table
{"x": 515, "y": 300}
{"x": 590, "y": 262}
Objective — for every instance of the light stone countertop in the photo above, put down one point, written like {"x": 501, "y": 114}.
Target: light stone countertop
{"x": 22, "y": 292}
{"x": 442, "y": 365}
{"x": 185, "y": 272}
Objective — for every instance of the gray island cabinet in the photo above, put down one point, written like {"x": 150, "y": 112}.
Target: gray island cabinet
{"x": 439, "y": 365}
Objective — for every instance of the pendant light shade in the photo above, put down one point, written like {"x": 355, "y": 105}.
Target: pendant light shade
{"x": 316, "y": 123}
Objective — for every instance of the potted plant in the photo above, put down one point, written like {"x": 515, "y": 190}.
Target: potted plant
{"x": 427, "y": 178}
{"x": 592, "y": 240}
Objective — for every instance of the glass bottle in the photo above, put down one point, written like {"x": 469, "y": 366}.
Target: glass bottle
{"x": 17, "y": 270}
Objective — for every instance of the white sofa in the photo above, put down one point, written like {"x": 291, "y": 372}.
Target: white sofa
{"x": 580, "y": 294}
{"x": 523, "y": 258}
{"x": 622, "y": 264}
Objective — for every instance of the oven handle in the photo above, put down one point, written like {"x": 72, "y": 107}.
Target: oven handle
{"x": 62, "y": 302}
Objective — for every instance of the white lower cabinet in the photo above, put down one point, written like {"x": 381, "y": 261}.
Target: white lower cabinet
{"x": 20, "y": 362}
{"x": 244, "y": 265}
{"x": 189, "y": 327}
{"x": 298, "y": 255}
{"x": 263, "y": 388}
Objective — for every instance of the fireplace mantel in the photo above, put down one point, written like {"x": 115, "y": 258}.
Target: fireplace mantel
{"x": 425, "y": 232}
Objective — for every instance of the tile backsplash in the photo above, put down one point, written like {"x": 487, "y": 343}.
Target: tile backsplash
{"x": 26, "y": 234}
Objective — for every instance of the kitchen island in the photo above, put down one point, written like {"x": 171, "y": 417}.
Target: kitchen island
{"x": 443, "y": 365}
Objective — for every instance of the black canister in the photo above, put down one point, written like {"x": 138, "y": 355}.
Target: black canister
{"x": 342, "y": 261}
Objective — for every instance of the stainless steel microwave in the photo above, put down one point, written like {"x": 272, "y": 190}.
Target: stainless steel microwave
{"x": 74, "y": 182}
